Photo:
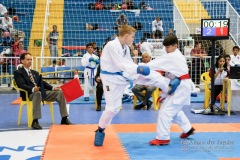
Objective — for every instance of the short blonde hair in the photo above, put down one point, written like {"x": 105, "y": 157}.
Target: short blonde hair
{"x": 126, "y": 29}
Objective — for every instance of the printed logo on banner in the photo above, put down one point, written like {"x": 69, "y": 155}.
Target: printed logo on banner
{"x": 21, "y": 152}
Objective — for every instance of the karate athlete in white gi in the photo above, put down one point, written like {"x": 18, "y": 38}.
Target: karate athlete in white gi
{"x": 117, "y": 68}
{"x": 174, "y": 65}
{"x": 90, "y": 62}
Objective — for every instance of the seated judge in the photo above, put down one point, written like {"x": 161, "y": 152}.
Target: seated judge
{"x": 137, "y": 89}
{"x": 29, "y": 80}
{"x": 99, "y": 89}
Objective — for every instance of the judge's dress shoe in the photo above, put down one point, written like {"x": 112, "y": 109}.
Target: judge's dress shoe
{"x": 139, "y": 106}
{"x": 157, "y": 142}
{"x": 99, "y": 108}
{"x": 186, "y": 135}
{"x": 86, "y": 98}
{"x": 36, "y": 125}
{"x": 149, "y": 105}
{"x": 66, "y": 121}
{"x": 99, "y": 138}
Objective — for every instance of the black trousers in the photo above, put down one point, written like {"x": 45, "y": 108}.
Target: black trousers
{"x": 99, "y": 93}
{"x": 218, "y": 89}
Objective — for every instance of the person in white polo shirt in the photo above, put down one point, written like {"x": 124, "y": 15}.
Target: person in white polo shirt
{"x": 157, "y": 27}
{"x": 235, "y": 57}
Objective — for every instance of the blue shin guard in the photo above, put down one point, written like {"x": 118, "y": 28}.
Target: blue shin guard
{"x": 99, "y": 138}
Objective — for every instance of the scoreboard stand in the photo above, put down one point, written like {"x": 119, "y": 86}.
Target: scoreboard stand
{"x": 214, "y": 29}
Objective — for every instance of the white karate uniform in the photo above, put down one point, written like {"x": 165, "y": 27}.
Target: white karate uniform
{"x": 89, "y": 75}
{"x": 116, "y": 58}
{"x": 171, "y": 109}
{"x": 235, "y": 60}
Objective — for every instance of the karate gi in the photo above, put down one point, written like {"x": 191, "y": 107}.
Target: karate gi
{"x": 116, "y": 58}
{"x": 175, "y": 65}
{"x": 89, "y": 72}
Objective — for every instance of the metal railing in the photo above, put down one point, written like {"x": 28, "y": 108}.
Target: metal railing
{"x": 234, "y": 23}
{"x": 45, "y": 27}
{"x": 180, "y": 26}
{"x": 196, "y": 66}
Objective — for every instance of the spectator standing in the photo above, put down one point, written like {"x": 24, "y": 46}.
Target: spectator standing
{"x": 122, "y": 20}
{"x": 99, "y": 90}
{"x": 197, "y": 62}
{"x": 52, "y": 40}
{"x": 157, "y": 28}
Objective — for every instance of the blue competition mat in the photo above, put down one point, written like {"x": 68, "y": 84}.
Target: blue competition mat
{"x": 202, "y": 145}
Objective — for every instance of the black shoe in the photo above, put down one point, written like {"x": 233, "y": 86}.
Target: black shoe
{"x": 98, "y": 108}
{"x": 139, "y": 106}
{"x": 35, "y": 124}
{"x": 86, "y": 98}
{"x": 149, "y": 105}
{"x": 66, "y": 121}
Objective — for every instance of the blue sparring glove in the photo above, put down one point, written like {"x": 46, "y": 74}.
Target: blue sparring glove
{"x": 91, "y": 59}
{"x": 144, "y": 70}
{"x": 174, "y": 83}
{"x": 97, "y": 61}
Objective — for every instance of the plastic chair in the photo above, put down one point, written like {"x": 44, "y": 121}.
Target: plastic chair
{"x": 207, "y": 80}
{"x": 28, "y": 103}
{"x": 155, "y": 96}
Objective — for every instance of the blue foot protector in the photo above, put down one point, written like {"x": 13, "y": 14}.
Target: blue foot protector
{"x": 99, "y": 138}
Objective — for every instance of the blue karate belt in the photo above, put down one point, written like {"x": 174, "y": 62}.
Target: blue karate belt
{"x": 119, "y": 74}
{"x": 92, "y": 74}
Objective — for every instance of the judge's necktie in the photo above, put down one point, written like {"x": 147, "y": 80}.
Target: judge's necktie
{"x": 31, "y": 78}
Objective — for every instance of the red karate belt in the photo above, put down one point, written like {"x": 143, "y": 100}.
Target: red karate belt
{"x": 185, "y": 76}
